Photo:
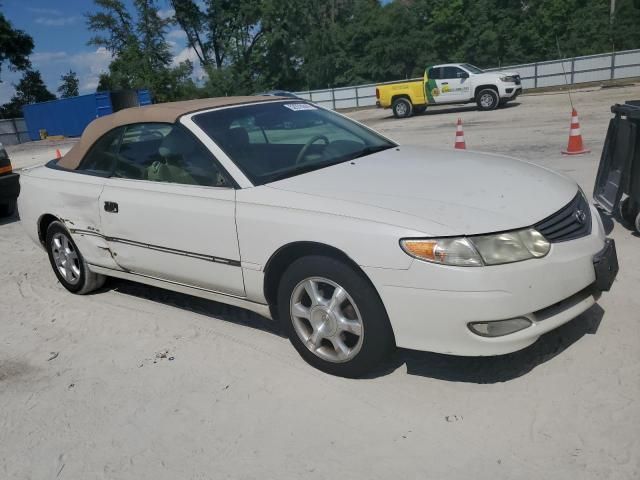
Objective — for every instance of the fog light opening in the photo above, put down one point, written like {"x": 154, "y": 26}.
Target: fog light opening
{"x": 499, "y": 328}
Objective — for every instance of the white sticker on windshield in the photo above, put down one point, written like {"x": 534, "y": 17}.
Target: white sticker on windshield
{"x": 296, "y": 107}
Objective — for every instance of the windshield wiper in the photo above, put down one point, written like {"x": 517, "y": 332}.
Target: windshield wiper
{"x": 370, "y": 150}
{"x": 299, "y": 170}
{"x": 317, "y": 166}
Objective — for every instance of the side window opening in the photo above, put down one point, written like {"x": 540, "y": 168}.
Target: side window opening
{"x": 102, "y": 156}
{"x": 167, "y": 153}
{"x": 434, "y": 73}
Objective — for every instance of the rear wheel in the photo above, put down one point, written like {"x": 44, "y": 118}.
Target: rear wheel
{"x": 402, "y": 108}
{"x": 67, "y": 262}
{"x": 333, "y": 316}
{"x": 487, "y": 99}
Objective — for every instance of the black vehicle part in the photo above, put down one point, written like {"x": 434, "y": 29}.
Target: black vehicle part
{"x": 619, "y": 169}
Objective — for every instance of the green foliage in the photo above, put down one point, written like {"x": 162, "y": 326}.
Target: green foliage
{"x": 30, "y": 89}
{"x": 70, "y": 85}
{"x": 15, "y": 46}
{"x": 143, "y": 57}
{"x": 247, "y": 46}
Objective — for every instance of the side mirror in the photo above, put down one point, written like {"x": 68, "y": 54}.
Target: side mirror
{"x": 463, "y": 75}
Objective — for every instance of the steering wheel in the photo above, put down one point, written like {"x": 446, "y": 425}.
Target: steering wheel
{"x": 307, "y": 145}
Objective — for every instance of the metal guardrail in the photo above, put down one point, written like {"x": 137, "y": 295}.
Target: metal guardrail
{"x": 548, "y": 73}
{"x": 13, "y": 131}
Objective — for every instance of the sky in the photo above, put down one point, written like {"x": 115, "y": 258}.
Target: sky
{"x": 60, "y": 35}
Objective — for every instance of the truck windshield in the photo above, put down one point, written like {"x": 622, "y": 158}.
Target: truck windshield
{"x": 472, "y": 68}
{"x": 276, "y": 140}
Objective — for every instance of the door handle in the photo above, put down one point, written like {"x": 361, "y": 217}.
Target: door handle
{"x": 445, "y": 83}
{"x": 111, "y": 207}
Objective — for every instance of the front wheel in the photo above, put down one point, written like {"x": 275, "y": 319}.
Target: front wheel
{"x": 402, "y": 108}
{"x": 487, "y": 99}
{"x": 333, "y": 316}
{"x": 67, "y": 262}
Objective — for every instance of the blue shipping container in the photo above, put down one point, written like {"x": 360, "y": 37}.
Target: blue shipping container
{"x": 70, "y": 116}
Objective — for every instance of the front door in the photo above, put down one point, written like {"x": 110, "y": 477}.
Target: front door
{"x": 448, "y": 84}
{"x": 168, "y": 211}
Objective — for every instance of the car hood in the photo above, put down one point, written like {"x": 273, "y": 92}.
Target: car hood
{"x": 438, "y": 192}
{"x": 499, "y": 74}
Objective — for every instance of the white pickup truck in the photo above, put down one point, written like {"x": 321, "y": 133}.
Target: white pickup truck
{"x": 449, "y": 84}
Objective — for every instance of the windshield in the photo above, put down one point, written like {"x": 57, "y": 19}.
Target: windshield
{"x": 276, "y": 140}
{"x": 472, "y": 68}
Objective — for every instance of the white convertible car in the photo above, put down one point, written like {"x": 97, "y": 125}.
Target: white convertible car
{"x": 358, "y": 244}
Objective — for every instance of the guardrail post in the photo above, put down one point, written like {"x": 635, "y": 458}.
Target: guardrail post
{"x": 613, "y": 65}
{"x": 15, "y": 130}
{"x": 357, "y": 98}
{"x": 333, "y": 98}
{"x": 535, "y": 75}
{"x": 573, "y": 69}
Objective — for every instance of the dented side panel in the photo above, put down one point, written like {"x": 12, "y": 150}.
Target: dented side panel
{"x": 71, "y": 197}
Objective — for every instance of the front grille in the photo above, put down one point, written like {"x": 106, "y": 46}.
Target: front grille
{"x": 570, "y": 222}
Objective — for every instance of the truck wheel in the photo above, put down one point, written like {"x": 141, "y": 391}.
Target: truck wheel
{"x": 487, "y": 99}
{"x": 402, "y": 108}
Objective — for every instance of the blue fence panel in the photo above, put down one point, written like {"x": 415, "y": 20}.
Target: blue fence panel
{"x": 66, "y": 116}
{"x": 144, "y": 97}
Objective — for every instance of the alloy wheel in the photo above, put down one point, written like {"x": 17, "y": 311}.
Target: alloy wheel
{"x": 66, "y": 258}
{"x": 486, "y": 100}
{"x": 326, "y": 319}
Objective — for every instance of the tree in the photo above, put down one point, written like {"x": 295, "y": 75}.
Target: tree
{"x": 30, "y": 89}
{"x": 70, "y": 85}
{"x": 143, "y": 57}
{"x": 15, "y": 46}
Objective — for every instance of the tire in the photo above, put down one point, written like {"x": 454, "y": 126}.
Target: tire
{"x": 487, "y": 99}
{"x": 349, "y": 347}
{"x": 8, "y": 209}
{"x": 637, "y": 223}
{"x": 62, "y": 252}
{"x": 419, "y": 109}
{"x": 402, "y": 108}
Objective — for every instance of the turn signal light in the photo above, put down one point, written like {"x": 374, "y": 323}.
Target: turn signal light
{"x": 6, "y": 169}
{"x": 424, "y": 249}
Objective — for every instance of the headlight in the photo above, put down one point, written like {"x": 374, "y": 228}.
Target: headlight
{"x": 447, "y": 251}
{"x": 508, "y": 78}
{"x": 479, "y": 250}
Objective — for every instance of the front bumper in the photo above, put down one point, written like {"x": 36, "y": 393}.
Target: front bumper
{"x": 510, "y": 90}
{"x": 430, "y": 306}
{"x": 9, "y": 188}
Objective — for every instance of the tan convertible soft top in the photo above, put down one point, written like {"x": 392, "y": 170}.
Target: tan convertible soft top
{"x": 161, "y": 112}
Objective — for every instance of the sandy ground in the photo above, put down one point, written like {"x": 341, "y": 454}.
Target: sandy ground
{"x": 135, "y": 382}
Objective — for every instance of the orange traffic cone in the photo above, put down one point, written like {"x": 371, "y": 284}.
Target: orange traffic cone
{"x": 575, "y": 146}
{"x": 460, "y": 137}
{"x": 58, "y": 154}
